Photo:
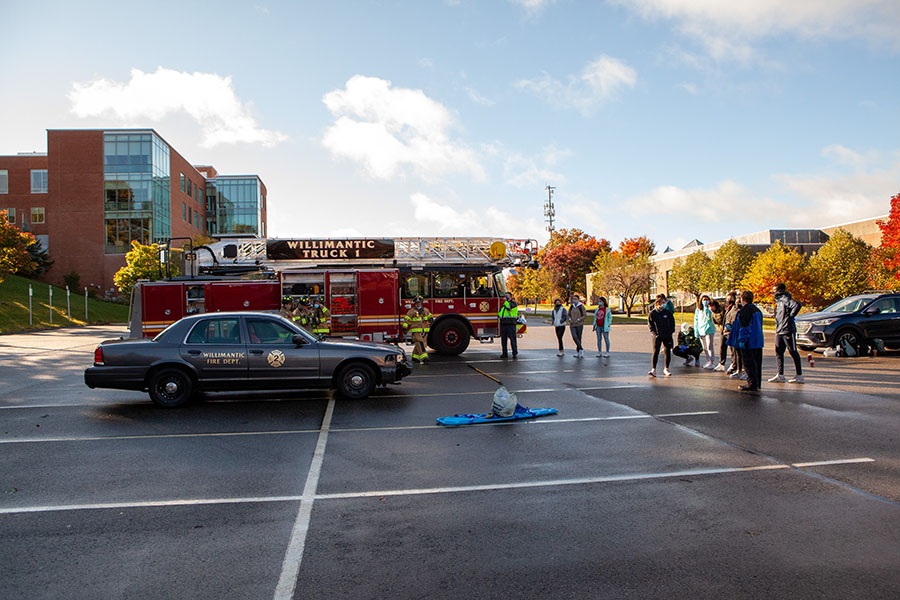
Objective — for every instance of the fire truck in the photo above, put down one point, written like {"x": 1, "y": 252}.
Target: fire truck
{"x": 368, "y": 285}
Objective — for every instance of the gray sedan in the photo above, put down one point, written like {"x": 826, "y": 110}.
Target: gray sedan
{"x": 242, "y": 351}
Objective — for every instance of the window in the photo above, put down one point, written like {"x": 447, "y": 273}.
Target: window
{"x": 39, "y": 181}
{"x": 183, "y": 211}
{"x": 37, "y": 215}
{"x": 196, "y": 195}
{"x": 182, "y": 182}
{"x": 4, "y": 181}
{"x": 190, "y": 216}
{"x": 885, "y": 306}
{"x": 449, "y": 285}
{"x": 413, "y": 285}
{"x": 266, "y": 331}
{"x": 11, "y": 215}
{"x": 189, "y": 184}
{"x": 216, "y": 331}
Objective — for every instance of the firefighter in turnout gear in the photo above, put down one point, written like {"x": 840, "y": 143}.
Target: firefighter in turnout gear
{"x": 303, "y": 314}
{"x": 418, "y": 322}
{"x": 321, "y": 319}
{"x": 287, "y": 308}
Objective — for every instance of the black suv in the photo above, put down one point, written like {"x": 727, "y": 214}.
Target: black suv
{"x": 854, "y": 321}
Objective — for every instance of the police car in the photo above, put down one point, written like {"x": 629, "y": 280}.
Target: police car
{"x": 242, "y": 350}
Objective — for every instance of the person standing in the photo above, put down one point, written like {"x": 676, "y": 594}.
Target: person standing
{"x": 287, "y": 308}
{"x": 418, "y": 322}
{"x": 577, "y": 315}
{"x": 786, "y": 308}
{"x": 559, "y": 316}
{"x": 662, "y": 327}
{"x": 320, "y": 318}
{"x": 732, "y": 305}
{"x": 602, "y": 325}
{"x": 750, "y": 341}
{"x": 705, "y": 329}
{"x": 509, "y": 317}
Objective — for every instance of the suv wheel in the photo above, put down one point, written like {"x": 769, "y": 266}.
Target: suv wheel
{"x": 850, "y": 338}
{"x": 356, "y": 381}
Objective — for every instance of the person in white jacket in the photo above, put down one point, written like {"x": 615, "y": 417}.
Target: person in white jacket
{"x": 560, "y": 316}
{"x": 602, "y": 324}
{"x": 705, "y": 329}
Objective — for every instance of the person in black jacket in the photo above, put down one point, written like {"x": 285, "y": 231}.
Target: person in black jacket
{"x": 662, "y": 326}
{"x": 786, "y": 308}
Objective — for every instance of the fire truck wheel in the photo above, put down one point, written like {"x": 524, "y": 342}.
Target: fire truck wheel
{"x": 171, "y": 388}
{"x": 356, "y": 381}
{"x": 450, "y": 337}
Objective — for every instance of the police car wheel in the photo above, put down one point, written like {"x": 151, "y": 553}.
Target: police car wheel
{"x": 356, "y": 381}
{"x": 171, "y": 388}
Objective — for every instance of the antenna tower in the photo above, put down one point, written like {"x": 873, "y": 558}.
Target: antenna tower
{"x": 549, "y": 209}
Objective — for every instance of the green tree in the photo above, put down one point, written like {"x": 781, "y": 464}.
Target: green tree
{"x": 729, "y": 265}
{"x": 881, "y": 276}
{"x": 529, "y": 284}
{"x": 40, "y": 258}
{"x": 142, "y": 262}
{"x": 616, "y": 274}
{"x": 781, "y": 264}
{"x": 691, "y": 275}
{"x": 840, "y": 266}
{"x": 14, "y": 255}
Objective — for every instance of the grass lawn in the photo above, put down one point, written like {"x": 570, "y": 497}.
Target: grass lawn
{"x": 14, "y": 307}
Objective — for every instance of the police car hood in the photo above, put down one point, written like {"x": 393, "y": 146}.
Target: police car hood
{"x": 359, "y": 345}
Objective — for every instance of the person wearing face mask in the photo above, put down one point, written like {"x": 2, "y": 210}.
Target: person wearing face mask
{"x": 662, "y": 327}
{"x": 736, "y": 371}
{"x": 602, "y": 324}
{"x": 705, "y": 329}
{"x": 559, "y": 316}
{"x": 577, "y": 314}
{"x": 321, "y": 318}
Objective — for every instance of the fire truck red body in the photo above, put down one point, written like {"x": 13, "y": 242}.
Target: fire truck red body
{"x": 460, "y": 279}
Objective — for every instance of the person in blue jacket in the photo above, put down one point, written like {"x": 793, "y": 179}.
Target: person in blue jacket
{"x": 747, "y": 336}
{"x": 602, "y": 325}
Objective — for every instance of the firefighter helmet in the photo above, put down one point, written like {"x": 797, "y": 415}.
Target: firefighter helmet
{"x": 286, "y": 300}
{"x": 418, "y": 299}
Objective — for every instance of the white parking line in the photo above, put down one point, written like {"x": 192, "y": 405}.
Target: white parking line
{"x": 294, "y": 554}
{"x": 301, "y": 525}
{"x": 157, "y": 436}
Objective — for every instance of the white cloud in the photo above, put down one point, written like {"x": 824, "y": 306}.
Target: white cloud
{"x": 426, "y": 63}
{"x": 600, "y": 80}
{"x": 206, "y": 97}
{"x": 833, "y": 198}
{"x": 529, "y": 171}
{"x": 710, "y": 205}
{"x": 533, "y": 6}
{"x": 444, "y": 219}
{"x": 389, "y": 129}
{"x": 726, "y": 29}
{"x": 478, "y": 98}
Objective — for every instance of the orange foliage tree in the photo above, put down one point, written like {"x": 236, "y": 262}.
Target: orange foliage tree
{"x": 637, "y": 246}
{"x": 14, "y": 255}
{"x": 568, "y": 258}
{"x": 890, "y": 239}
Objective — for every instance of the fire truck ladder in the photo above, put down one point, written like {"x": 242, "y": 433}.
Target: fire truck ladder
{"x": 421, "y": 251}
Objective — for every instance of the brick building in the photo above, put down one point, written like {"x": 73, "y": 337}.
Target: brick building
{"x": 94, "y": 191}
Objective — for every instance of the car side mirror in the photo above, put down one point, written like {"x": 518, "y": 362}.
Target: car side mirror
{"x": 872, "y": 311}
{"x": 298, "y": 340}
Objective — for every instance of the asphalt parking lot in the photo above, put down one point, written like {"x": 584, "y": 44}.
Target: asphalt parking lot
{"x": 675, "y": 487}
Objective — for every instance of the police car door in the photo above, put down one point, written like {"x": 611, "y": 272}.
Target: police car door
{"x": 215, "y": 348}
{"x": 274, "y": 359}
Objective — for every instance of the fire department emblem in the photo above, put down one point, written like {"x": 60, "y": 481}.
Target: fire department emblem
{"x": 484, "y": 306}
{"x": 275, "y": 358}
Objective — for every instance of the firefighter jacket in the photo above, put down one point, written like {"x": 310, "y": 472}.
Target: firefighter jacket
{"x": 286, "y": 313}
{"x": 418, "y": 320}
{"x": 321, "y": 320}
{"x": 509, "y": 312}
{"x": 302, "y": 316}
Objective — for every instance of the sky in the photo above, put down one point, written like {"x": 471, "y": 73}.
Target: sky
{"x": 674, "y": 119}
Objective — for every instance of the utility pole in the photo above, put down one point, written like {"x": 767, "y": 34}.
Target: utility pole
{"x": 549, "y": 210}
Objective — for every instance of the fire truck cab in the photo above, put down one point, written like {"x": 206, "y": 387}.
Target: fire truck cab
{"x": 367, "y": 285}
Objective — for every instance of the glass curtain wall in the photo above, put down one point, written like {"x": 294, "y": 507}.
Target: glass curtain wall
{"x": 237, "y": 202}
{"x": 136, "y": 190}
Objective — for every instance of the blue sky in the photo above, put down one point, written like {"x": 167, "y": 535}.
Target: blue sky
{"x": 675, "y": 119}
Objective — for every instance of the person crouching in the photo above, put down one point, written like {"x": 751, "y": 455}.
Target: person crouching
{"x": 689, "y": 347}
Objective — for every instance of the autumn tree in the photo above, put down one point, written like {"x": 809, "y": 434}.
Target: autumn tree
{"x": 616, "y": 273}
{"x": 729, "y": 265}
{"x": 14, "y": 255}
{"x": 691, "y": 275}
{"x": 141, "y": 262}
{"x": 529, "y": 284}
{"x": 890, "y": 239}
{"x": 780, "y": 264}
{"x": 637, "y": 246}
{"x": 568, "y": 257}
{"x": 880, "y": 276}
{"x": 839, "y": 267}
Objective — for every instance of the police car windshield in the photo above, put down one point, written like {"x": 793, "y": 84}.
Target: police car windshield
{"x": 849, "y": 305}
